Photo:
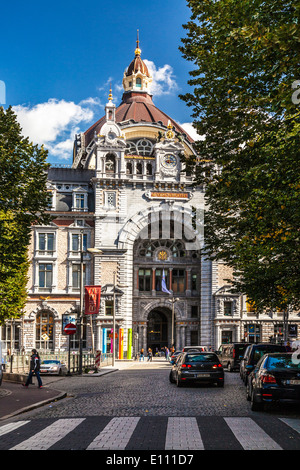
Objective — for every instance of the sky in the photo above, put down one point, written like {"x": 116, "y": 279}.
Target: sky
{"x": 58, "y": 58}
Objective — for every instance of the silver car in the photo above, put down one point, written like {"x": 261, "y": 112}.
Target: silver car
{"x": 53, "y": 367}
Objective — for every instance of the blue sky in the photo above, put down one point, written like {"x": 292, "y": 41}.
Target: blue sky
{"x": 57, "y": 59}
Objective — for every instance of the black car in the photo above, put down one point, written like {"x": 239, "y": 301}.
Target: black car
{"x": 275, "y": 378}
{"x": 200, "y": 367}
{"x": 230, "y": 355}
{"x": 253, "y": 354}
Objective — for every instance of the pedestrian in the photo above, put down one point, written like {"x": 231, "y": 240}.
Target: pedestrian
{"x": 142, "y": 354}
{"x": 34, "y": 369}
{"x": 149, "y": 354}
{"x": 167, "y": 354}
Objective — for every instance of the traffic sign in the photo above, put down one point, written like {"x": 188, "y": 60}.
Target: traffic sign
{"x": 70, "y": 329}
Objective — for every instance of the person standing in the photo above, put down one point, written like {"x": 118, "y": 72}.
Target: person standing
{"x": 142, "y": 354}
{"x": 34, "y": 369}
{"x": 149, "y": 354}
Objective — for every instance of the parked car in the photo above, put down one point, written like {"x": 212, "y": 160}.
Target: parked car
{"x": 194, "y": 348}
{"x": 1, "y": 366}
{"x": 201, "y": 367}
{"x": 174, "y": 356}
{"x": 276, "y": 378}
{"x": 230, "y": 355}
{"x": 253, "y": 354}
{"x": 53, "y": 367}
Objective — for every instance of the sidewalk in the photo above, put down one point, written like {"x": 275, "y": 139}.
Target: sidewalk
{"x": 16, "y": 399}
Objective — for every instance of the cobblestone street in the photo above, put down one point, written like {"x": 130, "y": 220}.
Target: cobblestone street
{"x": 143, "y": 389}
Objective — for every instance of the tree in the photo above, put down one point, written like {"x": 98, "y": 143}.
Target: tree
{"x": 247, "y": 58}
{"x": 23, "y": 202}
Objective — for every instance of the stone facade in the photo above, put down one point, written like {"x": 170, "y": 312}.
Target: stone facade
{"x": 128, "y": 195}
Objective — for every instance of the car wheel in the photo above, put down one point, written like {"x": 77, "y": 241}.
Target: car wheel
{"x": 171, "y": 378}
{"x": 255, "y": 406}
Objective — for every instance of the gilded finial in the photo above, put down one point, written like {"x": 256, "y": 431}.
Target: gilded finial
{"x": 110, "y": 94}
{"x": 137, "y": 50}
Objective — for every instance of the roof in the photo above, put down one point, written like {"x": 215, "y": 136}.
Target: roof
{"x": 137, "y": 107}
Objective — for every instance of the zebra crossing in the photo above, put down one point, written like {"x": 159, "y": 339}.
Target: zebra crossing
{"x": 154, "y": 433}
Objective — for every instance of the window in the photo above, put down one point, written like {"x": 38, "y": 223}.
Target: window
{"x": 110, "y": 199}
{"x": 76, "y": 241}
{"x": 158, "y": 279}
{"x": 44, "y": 330}
{"x": 109, "y": 307}
{"x": 194, "y": 311}
{"x": 178, "y": 280}
{"x": 138, "y": 82}
{"x": 227, "y": 308}
{"x": 129, "y": 168}
{"x": 144, "y": 147}
{"x": 79, "y": 201}
{"x": 149, "y": 169}
{"x": 145, "y": 280}
{"x": 45, "y": 276}
{"x": 46, "y": 243}
{"x": 76, "y": 276}
{"x": 194, "y": 281}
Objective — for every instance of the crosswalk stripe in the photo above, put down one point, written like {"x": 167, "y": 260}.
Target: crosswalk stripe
{"x": 44, "y": 439}
{"x": 116, "y": 435}
{"x": 250, "y": 435}
{"x": 6, "y": 428}
{"x": 183, "y": 434}
{"x": 292, "y": 422}
{"x": 173, "y": 433}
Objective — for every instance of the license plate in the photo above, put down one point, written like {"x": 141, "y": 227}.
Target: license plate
{"x": 203, "y": 375}
{"x": 293, "y": 382}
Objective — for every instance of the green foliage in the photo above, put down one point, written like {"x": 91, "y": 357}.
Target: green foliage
{"x": 23, "y": 202}
{"x": 246, "y": 55}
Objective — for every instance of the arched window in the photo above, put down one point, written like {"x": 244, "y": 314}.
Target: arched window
{"x": 138, "y": 82}
{"x": 144, "y": 147}
{"x": 149, "y": 169}
{"x": 139, "y": 169}
{"x": 44, "y": 330}
{"x": 130, "y": 148}
{"x": 129, "y": 168}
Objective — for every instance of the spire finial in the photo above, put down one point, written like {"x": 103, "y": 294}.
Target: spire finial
{"x": 110, "y": 94}
{"x": 137, "y": 50}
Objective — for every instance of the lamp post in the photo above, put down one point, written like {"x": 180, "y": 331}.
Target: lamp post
{"x": 173, "y": 303}
{"x": 93, "y": 251}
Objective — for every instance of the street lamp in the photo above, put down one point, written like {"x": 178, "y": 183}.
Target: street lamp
{"x": 173, "y": 303}
{"x": 93, "y": 251}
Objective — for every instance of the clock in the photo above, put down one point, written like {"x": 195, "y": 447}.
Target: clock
{"x": 169, "y": 161}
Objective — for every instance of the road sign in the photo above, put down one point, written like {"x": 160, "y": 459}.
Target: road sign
{"x": 70, "y": 329}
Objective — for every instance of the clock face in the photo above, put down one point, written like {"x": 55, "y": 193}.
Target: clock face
{"x": 169, "y": 161}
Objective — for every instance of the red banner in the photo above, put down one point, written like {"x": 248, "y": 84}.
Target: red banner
{"x": 92, "y": 299}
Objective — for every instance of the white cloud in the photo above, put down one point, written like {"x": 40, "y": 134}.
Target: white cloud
{"x": 189, "y": 128}
{"x": 163, "y": 80}
{"x": 55, "y": 122}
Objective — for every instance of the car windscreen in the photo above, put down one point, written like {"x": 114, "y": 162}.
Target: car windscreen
{"x": 201, "y": 358}
{"x": 49, "y": 361}
{"x": 282, "y": 362}
{"x": 239, "y": 349}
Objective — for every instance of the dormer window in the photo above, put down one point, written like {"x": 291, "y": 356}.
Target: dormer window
{"x": 80, "y": 200}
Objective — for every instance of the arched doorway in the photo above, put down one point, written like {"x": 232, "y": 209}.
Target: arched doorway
{"x": 157, "y": 331}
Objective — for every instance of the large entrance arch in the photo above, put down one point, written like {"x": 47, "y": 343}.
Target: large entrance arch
{"x": 158, "y": 329}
